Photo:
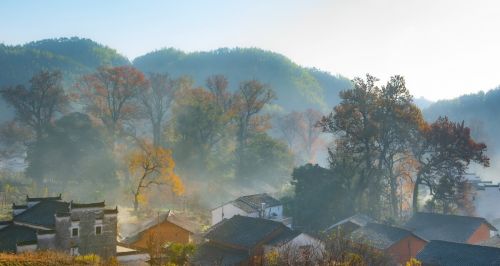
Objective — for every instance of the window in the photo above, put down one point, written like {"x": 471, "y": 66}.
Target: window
{"x": 74, "y": 232}
{"x": 98, "y": 230}
{"x": 74, "y": 251}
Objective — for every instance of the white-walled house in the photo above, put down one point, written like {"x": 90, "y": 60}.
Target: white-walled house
{"x": 258, "y": 205}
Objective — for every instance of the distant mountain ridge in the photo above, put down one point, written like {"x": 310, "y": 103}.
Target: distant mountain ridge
{"x": 480, "y": 111}
{"x": 296, "y": 87}
{"x": 73, "y": 56}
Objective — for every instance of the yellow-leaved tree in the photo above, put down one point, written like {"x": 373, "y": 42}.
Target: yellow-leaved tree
{"x": 150, "y": 165}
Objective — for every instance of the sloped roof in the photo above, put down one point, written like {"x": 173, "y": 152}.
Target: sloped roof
{"x": 380, "y": 236}
{"x": 454, "y": 228}
{"x": 445, "y": 253}
{"x": 88, "y": 205}
{"x": 209, "y": 254}
{"x": 357, "y": 219}
{"x": 12, "y": 234}
{"x": 253, "y": 203}
{"x": 42, "y": 213}
{"x": 245, "y": 232}
{"x": 174, "y": 218}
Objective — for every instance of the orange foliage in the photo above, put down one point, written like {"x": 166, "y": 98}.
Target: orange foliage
{"x": 152, "y": 165}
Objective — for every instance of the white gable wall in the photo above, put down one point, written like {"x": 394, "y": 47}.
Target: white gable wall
{"x": 229, "y": 211}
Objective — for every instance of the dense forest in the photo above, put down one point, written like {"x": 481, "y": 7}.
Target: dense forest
{"x": 297, "y": 88}
{"x": 175, "y": 129}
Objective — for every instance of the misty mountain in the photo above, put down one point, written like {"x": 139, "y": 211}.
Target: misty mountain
{"x": 297, "y": 87}
{"x": 480, "y": 111}
{"x": 422, "y": 102}
{"x": 73, "y": 56}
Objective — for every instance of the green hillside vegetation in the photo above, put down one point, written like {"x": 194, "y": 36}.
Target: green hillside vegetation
{"x": 479, "y": 111}
{"x": 297, "y": 87}
{"x": 73, "y": 56}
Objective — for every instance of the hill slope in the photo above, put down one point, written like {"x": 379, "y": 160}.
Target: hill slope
{"x": 73, "y": 56}
{"x": 296, "y": 87}
{"x": 480, "y": 111}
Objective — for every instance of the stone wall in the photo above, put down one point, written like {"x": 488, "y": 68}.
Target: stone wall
{"x": 87, "y": 241}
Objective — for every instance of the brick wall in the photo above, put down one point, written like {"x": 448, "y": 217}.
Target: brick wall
{"x": 481, "y": 234}
{"x": 406, "y": 248}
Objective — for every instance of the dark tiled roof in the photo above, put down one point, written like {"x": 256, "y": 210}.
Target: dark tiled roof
{"x": 454, "y": 228}
{"x": 243, "y": 231}
{"x": 13, "y": 234}
{"x": 252, "y": 203}
{"x": 111, "y": 211}
{"x": 87, "y": 205}
{"x": 5, "y": 222}
{"x": 380, "y": 236}
{"x": 209, "y": 254}
{"x": 357, "y": 219}
{"x": 284, "y": 237}
{"x": 44, "y": 198}
{"x": 42, "y": 213}
{"x": 445, "y": 253}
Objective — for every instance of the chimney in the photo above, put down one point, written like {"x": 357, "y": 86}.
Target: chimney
{"x": 263, "y": 210}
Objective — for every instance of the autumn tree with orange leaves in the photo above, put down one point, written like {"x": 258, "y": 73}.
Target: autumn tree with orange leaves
{"x": 152, "y": 166}
{"x": 111, "y": 95}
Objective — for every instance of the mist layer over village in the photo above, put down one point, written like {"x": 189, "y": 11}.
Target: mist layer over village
{"x": 132, "y": 137}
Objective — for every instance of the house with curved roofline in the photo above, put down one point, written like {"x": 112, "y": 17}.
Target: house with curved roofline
{"x": 257, "y": 206}
{"x": 50, "y": 223}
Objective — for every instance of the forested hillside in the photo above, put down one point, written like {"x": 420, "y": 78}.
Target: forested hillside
{"x": 297, "y": 88}
{"x": 480, "y": 111}
{"x": 73, "y": 56}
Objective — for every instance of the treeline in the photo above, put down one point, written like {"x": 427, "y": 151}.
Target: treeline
{"x": 297, "y": 88}
{"x": 479, "y": 111}
{"x": 126, "y": 135}
{"x": 384, "y": 159}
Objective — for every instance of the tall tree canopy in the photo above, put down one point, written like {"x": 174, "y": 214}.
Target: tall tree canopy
{"x": 111, "y": 95}
{"x": 37, "y": 106}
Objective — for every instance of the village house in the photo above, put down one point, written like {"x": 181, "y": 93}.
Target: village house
{"x": 452, "y": 228}
{"x": 400, "y": 243}
{"x": 258, "y": 205}
{"x": 444, "y": 253}
{"x": 53, "y": 224}
{"x": 243, "y": 240}
{"x": 168, "y": 227}
{"x": 348, "y": 225}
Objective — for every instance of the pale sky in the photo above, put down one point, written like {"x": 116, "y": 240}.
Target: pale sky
{"x": 443, "y": 48}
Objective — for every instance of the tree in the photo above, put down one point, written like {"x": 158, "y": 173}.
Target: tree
{"x": 444, "y": 153}
{"x": 203, "y": 121}
{"x": 251, "y": 98}
{"x": 150, "y": 166}
{"x": 310, "y": 132}
{"x": 72, "y": 158}
{"x": 156, "y": 102}
{"x": 289, "y": 126}
{"x": 376, "y": 126}
{"x": 354, "y": 124}
{"x": 111, "y": 94}
{"x": 267, "y": 159}
{"x": 37, "y": 106}
{"x": 319, "y": 193}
